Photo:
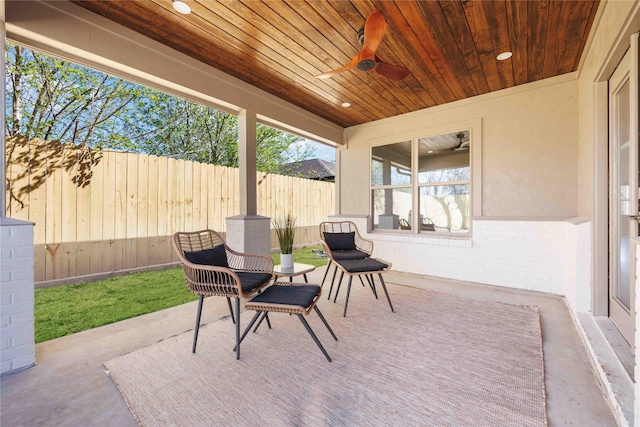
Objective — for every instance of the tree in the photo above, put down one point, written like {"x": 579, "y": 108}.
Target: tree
{"x": 53, "y": 99}
{"x": 190, "y": 131}
{"x": 273, "y": 149}
{"x": 50, "y": 99}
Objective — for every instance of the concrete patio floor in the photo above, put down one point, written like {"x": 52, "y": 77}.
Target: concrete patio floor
{"x": 69, "y": 387}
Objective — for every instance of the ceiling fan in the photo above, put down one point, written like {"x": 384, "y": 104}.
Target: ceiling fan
{"x": 366, "y": 60}
{"x": 462, "y": 145}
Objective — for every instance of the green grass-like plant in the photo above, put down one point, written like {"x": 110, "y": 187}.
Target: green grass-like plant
{"x": 64, "y": 310}
{"x": 67, "y": 309}
{"x": 285, "y": 230}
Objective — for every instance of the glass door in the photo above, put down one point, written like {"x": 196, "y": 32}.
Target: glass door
{"x": 623, "y": 224}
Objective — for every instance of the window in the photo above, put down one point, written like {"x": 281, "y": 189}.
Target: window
{"x": 391, "y": 183}
{"x": 441, "y": 194}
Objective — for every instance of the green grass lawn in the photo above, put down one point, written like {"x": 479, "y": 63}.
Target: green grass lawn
{"x": 64, "y": 310}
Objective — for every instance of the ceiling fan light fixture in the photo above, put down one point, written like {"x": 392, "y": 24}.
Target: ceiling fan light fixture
{"x": 181, "y": 7}
{"x": 367, "y": 60}
{"x": 504, "y": 55}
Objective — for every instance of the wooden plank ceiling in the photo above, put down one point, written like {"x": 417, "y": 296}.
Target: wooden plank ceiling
{"x": 449, "y": 46}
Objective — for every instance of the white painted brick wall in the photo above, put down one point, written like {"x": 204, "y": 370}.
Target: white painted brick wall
{"x": 546, "y": 256}
{"x": 17, "y": 345}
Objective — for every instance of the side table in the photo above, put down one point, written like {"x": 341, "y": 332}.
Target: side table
{"x": 298, "y": 269}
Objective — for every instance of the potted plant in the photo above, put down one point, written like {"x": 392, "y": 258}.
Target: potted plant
{"x": 285, "y": 230}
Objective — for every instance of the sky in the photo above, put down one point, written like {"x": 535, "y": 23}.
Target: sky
{"x": 322, "y": 151}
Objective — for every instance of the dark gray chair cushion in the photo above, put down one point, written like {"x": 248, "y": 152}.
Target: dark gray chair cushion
{"x": 340, "y": 241}
{"x": 251, "y": 281}
{"x": 216, "y": 256}
{"x": 288, "y": 295}
{"x": 362, "y": 265}
{"x": 350, "y": 254}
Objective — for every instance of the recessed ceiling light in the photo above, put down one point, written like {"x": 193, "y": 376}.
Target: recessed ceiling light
{"x": 182, "y": 7}
{"x": 345, "y": 104}
{"x": 430, "y": 151}
{"x": 504, "y": 55}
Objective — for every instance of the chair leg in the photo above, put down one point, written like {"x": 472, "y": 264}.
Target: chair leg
{"x": 361, "y": 281}
{"x": 372, "y": 284}
{"x": 244, "y": 334}
{"x": 338, "y": 288}
{"x": 237, "y": 328}
{"x": 335, "y": 270}
{"x": 195, "y": 333}
{"x": 233, "y": 319}
{"x": 325, "y": 273}
{"x": 325, "y": 322}
{"x": 266, "y": 313}
{"x": 346, "y": 301}
{"x": 264, "y": 316}
{"x": 313, "y": 335}
{"x": 385, "y": 292}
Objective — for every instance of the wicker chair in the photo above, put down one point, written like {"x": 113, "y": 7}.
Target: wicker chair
{"x": 404, "y": 224}
{"x": 351, "y": 254}
{"x": 335, "y": 232}
{"x": 211, "y": 268}
{"x": 428, "y": 225}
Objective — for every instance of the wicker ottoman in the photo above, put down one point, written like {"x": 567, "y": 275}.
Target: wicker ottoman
{"x": 292, "y": 298}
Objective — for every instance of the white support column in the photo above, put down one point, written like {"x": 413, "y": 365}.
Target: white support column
{"x": 17, "y": 332}
{"x": 247, "y": 158}
{"x": 248, "y": 232}
{"x": 3, "y": 119}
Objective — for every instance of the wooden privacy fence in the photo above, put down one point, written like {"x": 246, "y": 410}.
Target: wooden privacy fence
{"x": 117, "y": 211}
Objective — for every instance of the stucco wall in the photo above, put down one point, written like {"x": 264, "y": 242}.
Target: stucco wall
{"x": 616, "y": 22}
{"x": 529, "y": 148}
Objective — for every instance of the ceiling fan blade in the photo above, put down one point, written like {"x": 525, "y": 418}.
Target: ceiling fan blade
{"x": 374, "y": 29}
{"x": 349, "y": 66}
{"x": 392, "y": 72}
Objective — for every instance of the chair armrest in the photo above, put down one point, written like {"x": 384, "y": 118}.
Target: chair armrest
{"x": 364, "y": 245}
{"x": 326, "y": 250}
{"x": 209, "y": 280}
{"x": 249, "y": 262}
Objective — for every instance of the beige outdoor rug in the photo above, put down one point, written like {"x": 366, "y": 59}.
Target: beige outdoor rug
{"x": 440, "y": 360}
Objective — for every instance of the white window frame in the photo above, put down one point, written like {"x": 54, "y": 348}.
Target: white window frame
{"x": 475, "y": 163}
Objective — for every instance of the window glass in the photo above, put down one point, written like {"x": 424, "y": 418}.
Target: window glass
{"x": 444, "y": 157}
{"x": 442, "y": 194}
{"x": 445, "y": 208}
{"x": 445, "y": 175}
{"x": 391, "y": 208}
{"x": 391, "y": 164}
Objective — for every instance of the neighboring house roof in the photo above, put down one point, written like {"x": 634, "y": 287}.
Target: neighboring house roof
{"x": 310, "y": 169}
